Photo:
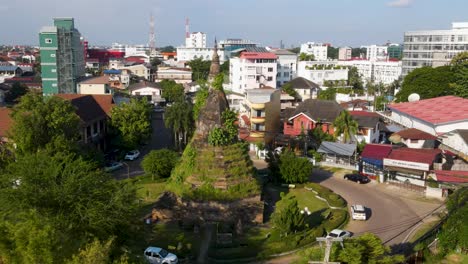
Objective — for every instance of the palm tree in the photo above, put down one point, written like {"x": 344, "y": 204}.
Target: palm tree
{"x": 345, "y": 125}
{"x": 179, "y": 118}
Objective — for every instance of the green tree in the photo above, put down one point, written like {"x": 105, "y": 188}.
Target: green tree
{"x": 296, "y": 50}
{"x": 332, "y": 52}
{"x": 367, "y": 248}
{"x": 454, "y": 232}
{"x": 427, "y": 82}
{"x": 287, "y": 87}
{"x": 159, "y": 163}
{"x": 358, "y": 52}
{"x": 318, "y": 135}
{"x": 306, "y": 57}
{"x": 459, "y": 66}
{"x": 17, "y": 90}
{"x": 328, "y": 94}
{"x": 200, "y": 69}
{"x": 155, "y": 62}
{"x": 179, "y": 117}
{"x": 354, "y": 79}
{"x": 38, "y": 121}
{"x": 346, "y": 126}
{"x": 288, "y": 219}
{"x": 200, "y": 99}
{"x": 172, "y": 91}
{"x": 227, "y": 134}
{"x": 294, "y": 169}
{"x": 218, "y": 82}
{"x": 132, "y": 122}
{"x": 168, "y": 49}
{"x": 225, "y": 68}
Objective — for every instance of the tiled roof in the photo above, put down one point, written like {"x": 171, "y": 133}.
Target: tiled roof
{"x": 452, "y": 176}
{"x": 5, "y": 121}
{"x": 426, "y": 156}
{"x": 365, "y": 119}
{"x": 413, "y": 133}
{"x": 437, "y": 110}
{"x": 90, "y": 107}
{"x": 303, "y": 83}
{"x": 376, "y": 151}
{"x": 96, "y": 80}
{"x": 318, "y": 110}
{"x": 258, "y": 55}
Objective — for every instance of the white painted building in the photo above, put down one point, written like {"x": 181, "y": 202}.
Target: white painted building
{"x": 96, "y": 85}
{"x": 196, "y": 40}
{"x": 376, "y": 71}
{"x": 435, "y": 116}
{"x": 252, "y": 70}
{"x": 376, "y": 53}
{"x": 150, "y": 89}
{"x": 188, "y": 54}
{"x": 181, "y": 75}
{"x": 344, "y": 53}
{"x": 433, "y": 47}
{"x": 319, "y": 50}
{"x": 130, "y": 50}
{"x": 287, "y": 66}
{"x": 321, "y": 71}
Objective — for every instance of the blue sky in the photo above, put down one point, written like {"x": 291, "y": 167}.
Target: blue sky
{"x": 340, "y": 22}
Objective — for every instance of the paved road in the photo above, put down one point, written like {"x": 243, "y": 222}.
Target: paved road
{"x": 161, "y": 138}
{"x": 391, "y": 213}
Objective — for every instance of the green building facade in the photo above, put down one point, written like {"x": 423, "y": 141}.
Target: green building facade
{"x": 62, "y": 57}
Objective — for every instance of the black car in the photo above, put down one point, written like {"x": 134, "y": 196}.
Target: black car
{"x": 356, "y": 178}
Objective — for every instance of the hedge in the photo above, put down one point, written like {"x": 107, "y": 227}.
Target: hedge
{"x": 333, "y": 199}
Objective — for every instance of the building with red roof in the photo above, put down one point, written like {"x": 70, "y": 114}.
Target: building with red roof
{"x": 414, "y": 138}
{"x": 372, "y": 157}
{"x": 451, "y": 176}
{"x": 435, "y": 116}
{"x": 411, "y": 165}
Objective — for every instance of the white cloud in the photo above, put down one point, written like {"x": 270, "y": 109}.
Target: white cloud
{"x": 400, "y": 3}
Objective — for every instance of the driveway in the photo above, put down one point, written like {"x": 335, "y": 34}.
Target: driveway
{"x": 160, "y": 138}
{"x": 392, "y": 212}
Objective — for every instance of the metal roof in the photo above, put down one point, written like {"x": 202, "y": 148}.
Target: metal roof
{"x": 340, "y": 149}
{"x": 8, "y": 68}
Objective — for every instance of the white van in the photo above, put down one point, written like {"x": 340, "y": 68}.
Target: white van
{"x": 358, "y": 212}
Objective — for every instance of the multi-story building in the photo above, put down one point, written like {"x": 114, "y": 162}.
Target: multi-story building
{"x": 375, "y": 53}
{"x": 252, "y": 70}
{"x": 433, "y": 47}
{"x": 262, "y": 112}
{"x": 321, "y": 71}
{"x": 384, "y": 72}
{"x": 319, "y": 50}
{"x": 62, "y": 57}
{"x": 179, "y": 75}
{"x": 196, "y": 40}
{"x": 395, "y": 51}
{"x": 130, "y": 50}
{"x": 231, "y": 46}
{"x": 344, "y": 53}
{"x": 287, "y": 66}
{"x": 188, "y": 54}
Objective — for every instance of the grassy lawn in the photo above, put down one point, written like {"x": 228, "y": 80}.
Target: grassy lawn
{"x": 423, "y": 229}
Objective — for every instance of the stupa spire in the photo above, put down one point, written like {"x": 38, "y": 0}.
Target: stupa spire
{"x": 215, "y": 66}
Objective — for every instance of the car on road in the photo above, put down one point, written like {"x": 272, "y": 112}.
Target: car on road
{"x": 338, "y": 233}
{"x": 112, "y": 166}
{"x": 358, "y": 212}
{"x": 156, "y": 255}
{"x": 132, "y": 155}
{"x": 356, "y": 178}
{"x": 158, "y": 109}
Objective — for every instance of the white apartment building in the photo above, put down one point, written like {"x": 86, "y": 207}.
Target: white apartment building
{"x": 188, "y": 54}
{"x": 433, "y": 47}
{"x": 287, "y": 66}
{"x": 384, "y": 72}
{"x": 196, "y": 40}
{"x": 321, "y": 71}
{"x": 130, "y": 50}
{"x": 344, "y": 53}
{"x": 319, "y": 50}
{"x": 252, "y": 70}
{"x": 375, "y": 53}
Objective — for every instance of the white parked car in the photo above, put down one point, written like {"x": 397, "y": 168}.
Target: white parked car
{"x": 156, "y": 255}
{"x": 132, "y": 155}
{"x": 358, "y": 212}
{"x": 112, "y": 166}
{"x": 338, "y": 233}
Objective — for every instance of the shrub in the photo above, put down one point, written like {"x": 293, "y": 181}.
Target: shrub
{"x": 336, "y": 219}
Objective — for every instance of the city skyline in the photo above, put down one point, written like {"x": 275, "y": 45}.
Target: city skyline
{"x": 340, "y": 22}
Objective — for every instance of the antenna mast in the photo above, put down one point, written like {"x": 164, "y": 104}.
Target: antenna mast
{"x": 152, "y": 37}
{"x": 187, "y": 32}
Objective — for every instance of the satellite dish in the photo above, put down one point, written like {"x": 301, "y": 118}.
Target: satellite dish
{"x": 414, "y": 97}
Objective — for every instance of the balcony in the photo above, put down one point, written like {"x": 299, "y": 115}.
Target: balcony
{"x": 257, "y": 119}
{"x": 257, "y": 106}
{"x": 257, "y": 134}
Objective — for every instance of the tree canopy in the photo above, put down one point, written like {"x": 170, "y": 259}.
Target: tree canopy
{"x": 346, "y": 126}
{"x": 17, "y": 90}
{"x": 328, "y": 94}
{"x": 354, "y": 79}
{"x": 38, "y": 121}
{"x": 288, "y": 219}
{"x": 179, "y": 117}
{"x": 49, "y": 212}
{"x": 427, "y": 82}
{"x": 454, "y": 232}
{"x": 159, "y": 163}
{"x": 227, "y": 134}
{"x": 459, "y": 66}
{"x": 287, "y": 87}
{"x": 200, "y": 68}
{"x": 306, "y": 57}
{"x": 132, "y": 122}
{"x": 294, "y": 169}
{"x": 172, "y": 91}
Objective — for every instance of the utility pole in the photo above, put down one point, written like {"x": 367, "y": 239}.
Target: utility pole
{"x": 328, "y": 244}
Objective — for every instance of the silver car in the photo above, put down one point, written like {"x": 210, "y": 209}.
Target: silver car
{"x": 156, "y": 255}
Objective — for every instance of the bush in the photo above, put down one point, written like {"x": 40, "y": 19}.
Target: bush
{"x": 333, "y": 199}
{"x": 159, "y": 163}
{"x": 336, "y": 219}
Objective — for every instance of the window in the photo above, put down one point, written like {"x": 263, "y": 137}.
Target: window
{"x": 53, "y": 70}
{"x": 270, "y": 69}
{"x": 52, "y": 55}
{"x": 54, "y": 85}
{"x": 270, "y": 78}
{"x": 414, "y": 141}
{"x": 48, "y": 40}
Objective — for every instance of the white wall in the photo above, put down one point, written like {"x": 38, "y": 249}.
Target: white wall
{"x": 456, "y": 142}
{"x": 436, "y": 130}
{"x": 287, "y": 68}
{"x": 243, "y": 74}
{"x": 188, "y": 54}
{"x": 305, "y": 70}
{"x": 93, "y": 88}
{"x": 147, "y": 91}
{"x": 196, "y": 40}
{"x": 319, "y": 50}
